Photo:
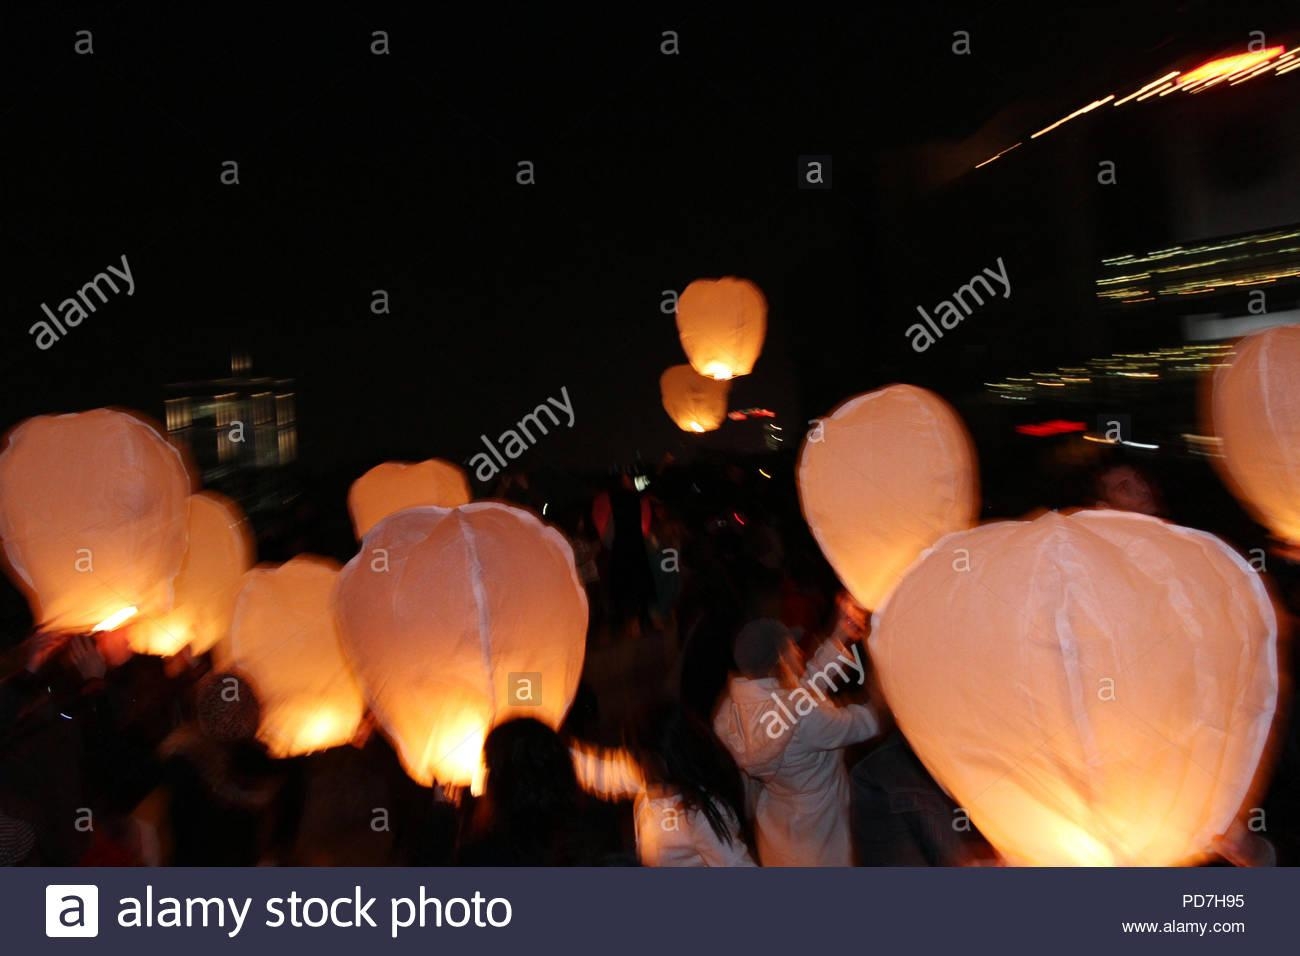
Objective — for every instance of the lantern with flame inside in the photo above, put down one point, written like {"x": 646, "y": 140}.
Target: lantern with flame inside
{"x": 1256, "y": 412}
{"x": 220, "y": 551}
{"x": 881, "y": 479}
{"x": 93, "y": 511}
{"x": 722, "y": 323}
{"x": 284, "y": 640}
{"x": 395, "y": 486}
{"x": 1093, "y": 689}
{"x": 456, "y": 619}
{"x": 695, "y": 403}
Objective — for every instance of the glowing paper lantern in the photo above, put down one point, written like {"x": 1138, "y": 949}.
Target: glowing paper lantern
{"x": 457, "y": 619}
{"x": 693, "y": 402}
{"x": 1256, "y": 412}
{"x": 881, "y": 479}
{"x": 220, "y": 551}
{"x": 722, "y": 323}
{"x": 1093, "y": 689}
{"x": 284, "y": 640}
{"x": 395, "y": 486}
{"x": 93, "y": 513}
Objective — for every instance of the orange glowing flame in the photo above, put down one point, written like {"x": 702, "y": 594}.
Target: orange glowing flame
{"x": 1226, "y": 66}
{"x": 116, "y": 619}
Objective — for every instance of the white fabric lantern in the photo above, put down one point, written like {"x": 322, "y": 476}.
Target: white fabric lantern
{"x": 722, "y": 324}
{"x": 694, "y": 403}
{"x": 394, "y": 486}
{"x": 284, "y": 640}
{"x": 882, "y": 478}
{"x": 456, "y": 619}
{"x": 93, "y": 510}
{"x": 1093, "y": 689}
{"x": 1256, "y": 411}
{"x": 220, "y": 550}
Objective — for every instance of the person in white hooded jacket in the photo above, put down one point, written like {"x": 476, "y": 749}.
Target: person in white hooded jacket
{"x": 688, "y": 795}
{"x": 787, "y": 735}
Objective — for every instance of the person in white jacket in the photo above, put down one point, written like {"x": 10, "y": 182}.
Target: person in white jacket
{"x": 688, "y": 796}
{"x": 786, "y": 734}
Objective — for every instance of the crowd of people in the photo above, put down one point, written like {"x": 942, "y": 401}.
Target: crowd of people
{"x": 712, "y": 609}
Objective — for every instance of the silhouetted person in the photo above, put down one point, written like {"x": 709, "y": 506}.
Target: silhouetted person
{"x": 532, "y": 812}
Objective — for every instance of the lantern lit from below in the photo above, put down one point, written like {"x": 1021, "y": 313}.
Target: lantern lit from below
{"x": 283, "y": 638}
{"x": 881, "y": 479}
{"x": 220, "y": 551}
{"x": 1093, "y": 689}
{"x": 395, "y": 486}
{"x": 722, "y": 323}
{"x": 695, "y": 403}
{"x": 93, "y": 510}
{"x": 457, "y": 619}
{"x": 1256, "y": 412}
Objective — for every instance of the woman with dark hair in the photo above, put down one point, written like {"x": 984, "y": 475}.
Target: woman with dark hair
{"x": 531, "y": 812}
{"x": 688, "y": 795}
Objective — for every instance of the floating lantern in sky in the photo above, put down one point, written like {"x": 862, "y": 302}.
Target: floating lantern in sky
{"x": 722, "y": 323}
{"x": 881, "y": 479}
{"x": 395, "y": 486}
{"x": 1256, "y": 412}
{"x": 457, "y": 619}
{"x": 693, "y": 402}
{"x": 93, "y": 511}
{"x": 1093, "y": 689}
{"x": 220, "y": 551}
{"x": 283, "y": 638}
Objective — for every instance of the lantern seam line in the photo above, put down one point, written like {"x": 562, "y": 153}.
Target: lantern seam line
{"x": 480, "y": 604}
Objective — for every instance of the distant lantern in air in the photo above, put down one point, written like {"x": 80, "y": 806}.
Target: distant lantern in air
{"x": 395, "y": 486}
{"x": 1093, "y": 689}
{"x": 93, "y": 511}
{"x": 722, "y": 323}
{"x": 284, "y": 640}
{"x": 220, "y": 551}
{"x": 693, "y": 402}
{"x": 457, "y": 619}
{"x": 1256, "y": 413}
{"x": 881, "y": 479}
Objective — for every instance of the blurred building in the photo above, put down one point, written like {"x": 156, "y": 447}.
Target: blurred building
{"x": 242, "y": 435}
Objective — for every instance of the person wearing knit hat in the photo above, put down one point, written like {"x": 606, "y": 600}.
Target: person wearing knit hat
{"x": 787, "y": 734}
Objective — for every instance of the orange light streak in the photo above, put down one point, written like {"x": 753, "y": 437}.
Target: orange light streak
{"x": 991, "y": 158}
{"x": 1079, "y": 112}
{"x": 1136, "y": 93}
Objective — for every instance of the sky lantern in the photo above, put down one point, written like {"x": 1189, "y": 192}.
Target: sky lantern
{"x": 1256, "y": 412}
{"x": 457, "y": 619}
{"x": 220, "y": 551}
{"x": 882, "y": 478}
{"x": 693, "y": 402}
{"x": 1093, "y": 690}
{"x": 722, "y": 323}
{"x": 283, "y": 639}
{"x": 395, "y": 485}
{"x": 93, "y": 510}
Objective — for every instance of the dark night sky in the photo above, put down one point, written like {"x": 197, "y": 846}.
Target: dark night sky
{"x": 361, "y": 172}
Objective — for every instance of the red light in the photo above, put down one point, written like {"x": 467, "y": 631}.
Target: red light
{"x": 1057, "y": 426}
{"x": 740, "y": 415}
